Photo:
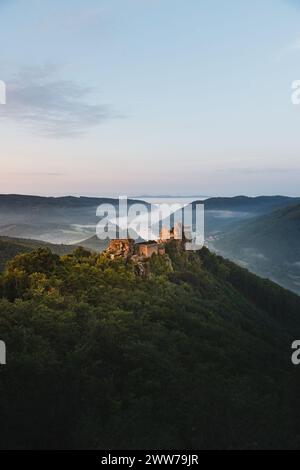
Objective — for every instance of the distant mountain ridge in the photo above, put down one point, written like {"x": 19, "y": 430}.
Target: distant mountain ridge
{"x": 257, "y": 204}
{"x": 16, "y": 208}
{"x": 73, "y": 220}
{"x": 268, "y": 245}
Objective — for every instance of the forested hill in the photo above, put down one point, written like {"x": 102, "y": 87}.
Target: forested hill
{"x": 268, "y": 245}
{"x": 193, "y": 355}
{"x": 275, "y": 236}
{"x": 10, "y": 247}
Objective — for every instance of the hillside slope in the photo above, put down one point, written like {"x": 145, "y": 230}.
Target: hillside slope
{"x": 94, "y": 244}
{"x": 10, "y": 247}
{"x": 196, "y": 356}
{"x": 268, "y": 245}
{"x": 223, "y": 214}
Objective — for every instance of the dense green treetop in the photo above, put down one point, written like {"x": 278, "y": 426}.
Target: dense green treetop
{"x": 195, "y": 354}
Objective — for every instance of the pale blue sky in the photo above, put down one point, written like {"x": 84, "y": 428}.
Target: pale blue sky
{"x": 150, "y": 96}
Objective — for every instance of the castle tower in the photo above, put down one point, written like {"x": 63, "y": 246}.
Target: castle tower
{"x": 165, "y": 234}
{"x": 121, "y": 247}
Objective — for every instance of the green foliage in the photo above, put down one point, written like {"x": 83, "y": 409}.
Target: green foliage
{"x": 191, "y": 357}
{"x": 11, "y": 247}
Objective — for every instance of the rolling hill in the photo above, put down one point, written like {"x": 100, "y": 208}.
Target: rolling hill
{"x": 268, "y": 245}
{"x": 223, "y": 214}
{"x": 94, "y": 244}
{"x": 51, "y": 219}
{"x": 32, "y": 210}
{"x": 10, "y": 247}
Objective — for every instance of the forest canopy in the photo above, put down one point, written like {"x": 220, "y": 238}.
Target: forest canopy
{"x": 98, "y": 356}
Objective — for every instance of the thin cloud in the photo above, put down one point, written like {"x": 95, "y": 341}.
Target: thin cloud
{"x": 255, "y": 171}
{"x": 38, "y": 174}
{"x": 51, "y": 106}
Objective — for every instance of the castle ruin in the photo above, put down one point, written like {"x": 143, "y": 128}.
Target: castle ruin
{"x": 129, "y": 248}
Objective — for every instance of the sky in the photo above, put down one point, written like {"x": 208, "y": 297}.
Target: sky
{"x": 130, "y": 97}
